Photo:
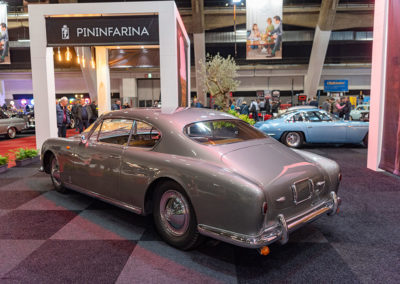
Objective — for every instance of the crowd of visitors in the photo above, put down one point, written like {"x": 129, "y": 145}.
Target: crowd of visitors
{"x": 257, "y": 107}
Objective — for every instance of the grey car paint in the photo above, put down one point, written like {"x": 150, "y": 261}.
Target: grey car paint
{"x": 227, "y": 185}
{"x": 7, "y": 122}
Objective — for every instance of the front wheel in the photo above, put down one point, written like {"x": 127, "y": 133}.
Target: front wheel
{"x": 11, "y": 133}
{"x": 365, "y": 141}
{"x": 55, "y": 175}
{"x": 293, "y": 139}
{"x": 174, "y": 217}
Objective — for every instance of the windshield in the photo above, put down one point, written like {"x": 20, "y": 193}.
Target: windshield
{"x": 219, "y": 132}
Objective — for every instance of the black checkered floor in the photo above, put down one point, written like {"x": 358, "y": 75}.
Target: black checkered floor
{"x": 47, "y": 237}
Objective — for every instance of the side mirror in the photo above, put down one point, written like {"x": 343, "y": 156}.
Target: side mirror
{"x": 83, "y": 139}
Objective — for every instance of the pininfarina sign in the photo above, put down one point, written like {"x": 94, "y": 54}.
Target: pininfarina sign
{"x": 81, "y": 31}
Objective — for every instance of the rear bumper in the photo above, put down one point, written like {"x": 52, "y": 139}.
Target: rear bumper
{"x": 277, "y": 232}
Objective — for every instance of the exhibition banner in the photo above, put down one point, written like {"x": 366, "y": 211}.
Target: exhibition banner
{"x": 336, "y": 86}
{"x": 89, "y": 31}
{"x": 4, "y": 43}
{"x": 390, "y": 155}
{"x": 264, "y": 29}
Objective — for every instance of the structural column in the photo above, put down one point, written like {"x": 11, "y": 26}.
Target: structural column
{"x": 199, "y": 46}
{"x": 378, "y": 84}
{"x": 2, "y": 93}
{"x": 88, "y": 72}
{"x": 320, "y": 46}
{"x": 103, "y": 80}
{"x": 128, "y": 91}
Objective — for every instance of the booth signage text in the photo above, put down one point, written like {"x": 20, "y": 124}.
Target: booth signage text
{"x": 336, "y": 85}
{"x": 82, "y": 31}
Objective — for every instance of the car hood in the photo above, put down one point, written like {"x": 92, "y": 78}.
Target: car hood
{"x": 274, "y": 167}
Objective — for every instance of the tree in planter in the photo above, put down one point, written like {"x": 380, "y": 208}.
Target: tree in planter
{"x": 218, "y": 74}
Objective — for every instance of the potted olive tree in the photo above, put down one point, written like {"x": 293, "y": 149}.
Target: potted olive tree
{"x": 3, "y": 163}
{"x": 24, "y": 157}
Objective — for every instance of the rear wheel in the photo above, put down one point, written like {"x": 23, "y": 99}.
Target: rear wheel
{"x": 293, "y": 139}
{"x": 174, "y": 217}
{"x": 55, "y": 175}
{"x": 11, "y": 133}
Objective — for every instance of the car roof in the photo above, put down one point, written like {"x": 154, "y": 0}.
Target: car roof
{"x": 180, "y": 117}
{"x": 302, "y": 107}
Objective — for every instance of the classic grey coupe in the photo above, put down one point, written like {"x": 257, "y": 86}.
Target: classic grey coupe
{"x": 10, "y": 126}
{"x": 199, "y": 172}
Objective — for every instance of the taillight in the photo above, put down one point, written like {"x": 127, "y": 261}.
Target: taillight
{"x": 265, "y": 208}
{"x": 340, "y": 176}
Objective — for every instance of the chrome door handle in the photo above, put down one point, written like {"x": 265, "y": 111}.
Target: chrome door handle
{"x": 114, "y": 156}
{"x": 309, "y": 126}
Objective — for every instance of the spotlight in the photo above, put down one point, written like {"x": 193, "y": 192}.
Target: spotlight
{"x": 59, "y": 55}
{"x": 68, "y": 55}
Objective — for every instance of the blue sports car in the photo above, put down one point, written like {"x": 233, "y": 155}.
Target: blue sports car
{"x": 299, "y": 126}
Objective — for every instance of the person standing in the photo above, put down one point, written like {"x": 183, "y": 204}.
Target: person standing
{"x": 254, "y": 109}
{"x": 326, "y": 105}
{"x": 314, "y": 102}
{"x": 62, "y": 117}
{"x": 244, "y": 109}
{"x": 95, "y": 114}
{"x": 117, "y": 105}
{"x": 84, "y": 114}
{"x": 346, "y": 108}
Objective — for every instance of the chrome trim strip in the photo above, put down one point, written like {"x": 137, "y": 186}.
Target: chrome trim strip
{"x": 277, "y": 232}
{"x": 106, "y": 199}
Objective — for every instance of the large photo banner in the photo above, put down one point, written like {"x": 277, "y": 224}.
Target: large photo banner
{"x": 390, "y": 158}
{"x": 264, "y": 29}
{"x": 4, "y": 43}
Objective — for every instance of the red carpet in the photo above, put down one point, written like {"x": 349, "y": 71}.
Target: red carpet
{"x": 7, "y": 145}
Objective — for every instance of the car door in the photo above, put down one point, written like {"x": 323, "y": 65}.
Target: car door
{"x": 322, "y": 128}
{"x": 99, "y": 159}
{"x": 139, "y": 163}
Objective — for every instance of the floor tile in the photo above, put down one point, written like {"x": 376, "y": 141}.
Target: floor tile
{"x": 12, "y": 252}
{"x": 156, "y": 262}
{"x": 10, "y": 199}
{"x": 54, "y": 200}
{"x": 102, "y": 225}
{"x": 33, "y": 225}
{"x": 59, "y": 261}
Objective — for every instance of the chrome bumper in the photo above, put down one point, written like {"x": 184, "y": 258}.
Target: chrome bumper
{"x": 279, "y": 231}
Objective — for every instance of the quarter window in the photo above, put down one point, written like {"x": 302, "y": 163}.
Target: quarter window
{"x": 144, "y": 135}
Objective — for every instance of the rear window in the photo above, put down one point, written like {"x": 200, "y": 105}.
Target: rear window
{"x": 219, "y": 132}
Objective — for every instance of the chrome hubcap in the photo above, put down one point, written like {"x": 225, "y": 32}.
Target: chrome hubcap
{"x": 55, "y": 172}
{"x": 293, "y": 139}
{"x": 11, "y": 133}
{"x": 174, "y": 212}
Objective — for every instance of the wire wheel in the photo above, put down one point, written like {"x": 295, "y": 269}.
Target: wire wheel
{"x": 11, "y": 132}
{"x": 55, "y": 173}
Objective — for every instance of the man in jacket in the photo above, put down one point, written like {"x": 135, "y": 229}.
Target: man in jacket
{"x": 62, "y": 117}
{"x": 83, "y": 114}
{"x": 277, "y": 35}
{"x": 244, "y": 109}
{"x": 117, "y": 105}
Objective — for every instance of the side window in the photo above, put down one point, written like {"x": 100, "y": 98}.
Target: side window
{"x": 115, "y": 131}
{"x": 324, "y": 116}
{"x": 312, "y": 117}
{"x": 95, "y": 134}
{"x": 144, "y": 135}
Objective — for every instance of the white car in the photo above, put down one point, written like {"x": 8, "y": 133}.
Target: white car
{"x": 356, "y": 113}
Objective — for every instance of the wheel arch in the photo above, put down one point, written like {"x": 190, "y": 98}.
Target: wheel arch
{"x": 46, "y": 160}
{"x": 301, "y": 131}
{"x": 148, "y": 198}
